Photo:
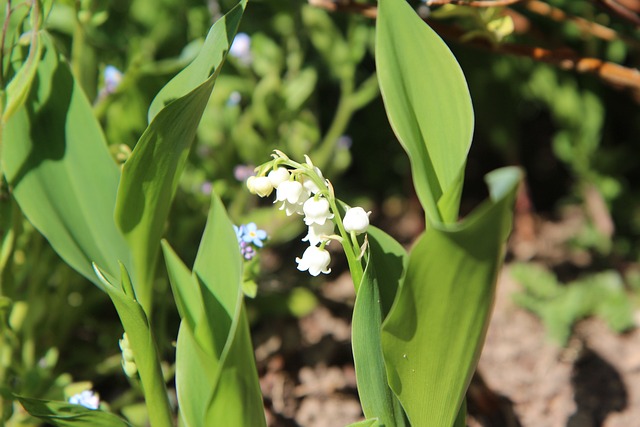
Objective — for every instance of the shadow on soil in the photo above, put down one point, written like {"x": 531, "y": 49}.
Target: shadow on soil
{"x": 598, "y": 390}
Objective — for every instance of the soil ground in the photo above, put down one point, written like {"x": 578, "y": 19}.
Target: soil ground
{"x": 523, "y": 378}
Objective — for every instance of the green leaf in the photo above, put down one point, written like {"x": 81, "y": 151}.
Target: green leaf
{"x": 19, "y": 88}
{"x": 185, "y": 291}
{"x": 216, "y": 377}
{"x": 136, "y": 325}
{"x": 432, "y": 337}
{"x": 374, "y": 422}
{"x": 428, "y": 104}
{"x": 55, "y": 158}
{"x": 64, "y": 414}
{"x": 150, "y": 176}
{"x": 382, "y": 277}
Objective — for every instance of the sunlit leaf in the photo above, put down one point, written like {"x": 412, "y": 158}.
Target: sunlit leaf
{"x": 366, "y": 423}
{"x": 428, "y": 104}
{"x": 216, "y": 377}
{"x": 150, "y": 176}
{"x": 382, "y": 277}
{"x": 432, "y": 337}
{"x": 142, "y": 343}
{"x": 55, "y": 158}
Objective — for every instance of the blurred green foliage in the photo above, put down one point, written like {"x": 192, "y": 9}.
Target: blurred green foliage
{"x": 561, "y": 305}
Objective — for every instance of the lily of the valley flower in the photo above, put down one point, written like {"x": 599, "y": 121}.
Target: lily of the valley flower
{"x": 308, "y": 183}
{"x": 292, "y": 195}
{"x": 316, "y": 260}
{"x": 319, "y": 233}
{"x": 356, "y": 220}
{"x": 316, "y": 211}
{"x": 259, "y": 185}
{"x": 87, "y": 398}
{"x": 278, "y": 176}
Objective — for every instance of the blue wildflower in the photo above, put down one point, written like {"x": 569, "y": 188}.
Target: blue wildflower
{"x": 241, "y": 48}
{"x": 112, "y": 78}
{"x": 253, "y": 235}
{"x": 239, "y": 232}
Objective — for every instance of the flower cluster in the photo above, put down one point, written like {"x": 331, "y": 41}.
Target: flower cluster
{"x": 302, "y": 189}
{"x": 87, "y": 398}
{"x": 249, "y": 238}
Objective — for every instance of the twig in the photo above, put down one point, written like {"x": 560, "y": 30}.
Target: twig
{"x": 544, "y": 9}
{"x": 621, "y": 11}
{"x": 472, "y": 3}
{"x": 609, "y": 72}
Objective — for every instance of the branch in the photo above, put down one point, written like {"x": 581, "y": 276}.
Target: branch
{"x": 586, "y": 26}
{"x": 622, "y": 11}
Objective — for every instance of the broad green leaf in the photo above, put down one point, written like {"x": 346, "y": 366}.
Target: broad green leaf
{"x": 374, "y": 422}
{"x": 461, "y": 418}
{"x": 428, "y": 104}
{"x": 382, "y": 277}
{"x": 64, "y": 414}
{"x": 136, "y": 325}
{"x": 186, "y": 292}
{"x": 433, "y": 334}
{"x": 216, "y": 377}
{"x": 150, "y": 176}
{"x": 55, "y": 158}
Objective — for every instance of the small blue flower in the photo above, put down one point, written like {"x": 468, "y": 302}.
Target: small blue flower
{"x": 240, "y": 231}
{"x": 87, "y": 398}
{"x": 241, "y": 48}
{"x": 253, "y": 235}
{"x": 112, "y": 78}
{"x": 234, "y": 99}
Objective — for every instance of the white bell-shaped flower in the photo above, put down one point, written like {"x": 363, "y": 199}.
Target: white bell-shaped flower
{"x": 357, "y": 220}
{"x": 316, "y": 210}
{"x": 315, "y": 260}
{"x": 259, "y": 185}
{"x": 278, "y": 176}
{"x": 319, "y": 232}
{"x": 308, "y": 183}
{"x": 292, "y": 195}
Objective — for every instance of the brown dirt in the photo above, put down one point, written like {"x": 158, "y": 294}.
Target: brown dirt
{"x": 524, "y": 379}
